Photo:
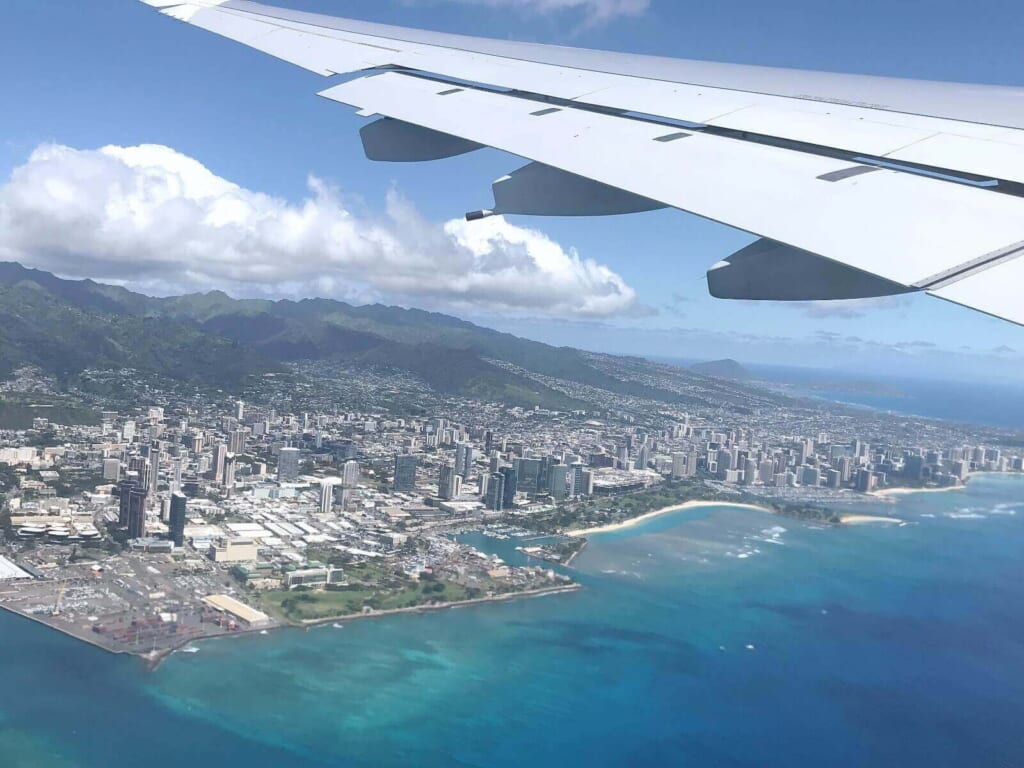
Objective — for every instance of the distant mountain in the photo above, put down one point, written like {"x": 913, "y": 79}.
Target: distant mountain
{"x": 722, "y": 369}
{"x": 66, "y": 326}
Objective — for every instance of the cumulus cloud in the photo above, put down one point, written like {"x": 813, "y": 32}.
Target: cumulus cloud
{"x": 153, "y": 218}
{"x": 595, "y": 11}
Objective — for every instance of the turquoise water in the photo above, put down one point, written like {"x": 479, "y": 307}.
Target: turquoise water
{"x": 868, "y": 646}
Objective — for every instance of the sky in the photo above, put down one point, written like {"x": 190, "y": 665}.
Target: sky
{"x": 137, "y": 150}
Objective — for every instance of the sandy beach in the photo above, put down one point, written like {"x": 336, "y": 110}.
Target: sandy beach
{"x": 869, "y": 519}
{"x": 890, "y": 492}
{"x": 632, "y": 523}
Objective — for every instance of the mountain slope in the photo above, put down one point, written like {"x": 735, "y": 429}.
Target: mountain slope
{"x": 66, "y": 326}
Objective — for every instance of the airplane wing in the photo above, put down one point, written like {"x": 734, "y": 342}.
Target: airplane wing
{"x": 855, "y": 186}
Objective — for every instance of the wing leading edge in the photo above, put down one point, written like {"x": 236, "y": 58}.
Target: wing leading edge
{"x": 850, "y": 197}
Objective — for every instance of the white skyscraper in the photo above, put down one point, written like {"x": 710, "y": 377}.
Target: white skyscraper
{"x": 326, "y": 496}
{"x": 350, "y": 474}
{"x": 154, "y": 473}
{"x": 176, "y": 480}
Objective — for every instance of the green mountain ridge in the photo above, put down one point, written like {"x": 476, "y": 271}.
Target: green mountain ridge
{"x": 66, "y": 326}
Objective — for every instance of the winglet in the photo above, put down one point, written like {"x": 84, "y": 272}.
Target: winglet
{"x": 183, "y": 11}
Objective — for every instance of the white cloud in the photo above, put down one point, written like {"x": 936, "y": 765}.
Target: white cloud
{"x": 155, "y": 219}
{"x": 594, "y": 11}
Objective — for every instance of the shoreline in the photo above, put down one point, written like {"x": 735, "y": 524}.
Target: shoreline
{"x": 869, "y": 519}
{"x": 635, "y": 521}
{"x": 432, "y": 608}
{"x": 888, "y": 493}
{"x": 153, "y": 662}
{"x": 68, "y": 633}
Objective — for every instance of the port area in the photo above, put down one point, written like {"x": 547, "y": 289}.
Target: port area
{"x": 128, "y": 603}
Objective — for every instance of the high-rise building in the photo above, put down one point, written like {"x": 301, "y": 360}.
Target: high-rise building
{"x": 811, "y": 476}
{"x": 464, "y": 459}
{"x": 405, "y": 474}
{"x": 750, "y": 472}
{"x": 495, "y": 498}
{"x": 154, "y": 472}
{"x": 220, "y": 455}
{"x": 866, "y": 481}
{"x": 576, "y": 479}
{"x": 176, "y": 478}
{"x": 288, "y": 465}
{"x": 544, "y": 475}
{"x": 678, "y": 465}
{"x": 112, "y": 469}
{"x": 622, "y": 456}
{"x": 136, "y": 513}
{"x": 449, "y": 483}
{"x": 123, "y": 492}
{"x": 350, "y": 474}
{"x": 341, "y": 498}
{"x": 326, "y": 496}
{"x": 128, "y": 431}
{"x": 560, "y": 481}
{"x": 237, "y": 440}
{"x": 230, "y": 467}
{"x": 528, "y": 473}
{"x": 510, "y": 486}
{"x": 239, "y": 410}
{"x": 587, "y": 484}
{"x": 176, "y": 522}
{"x": 643, "y": 456}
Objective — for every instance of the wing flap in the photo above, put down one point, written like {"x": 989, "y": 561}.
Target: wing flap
{"x": 995, "y": 291}
{"x": 902, "y": 227}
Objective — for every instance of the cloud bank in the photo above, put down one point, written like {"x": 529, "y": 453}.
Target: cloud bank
{"x": 152, "y": 218}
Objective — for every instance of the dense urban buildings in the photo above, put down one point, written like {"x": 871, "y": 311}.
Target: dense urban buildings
{"x": 198, "y": 504}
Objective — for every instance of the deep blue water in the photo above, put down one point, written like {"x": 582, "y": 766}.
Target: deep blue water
{"x": 872, "y": 646}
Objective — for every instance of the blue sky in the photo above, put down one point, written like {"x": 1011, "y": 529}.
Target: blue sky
{"x": 90, "y": 73}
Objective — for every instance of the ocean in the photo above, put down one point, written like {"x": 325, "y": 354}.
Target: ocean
{"x": 713, "y": 637}
{"x": 993, "y": 403}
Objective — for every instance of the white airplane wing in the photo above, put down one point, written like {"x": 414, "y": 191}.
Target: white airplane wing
{"x": 855, "y": 186}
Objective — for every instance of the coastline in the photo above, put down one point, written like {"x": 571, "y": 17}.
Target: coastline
{"x": 153, "y": 663}
{"x": 888, "y": 493}
{"x": 432, "y": 608}
{"x": 153, "y": 660}
{"x": 68, "y": 633}
{"x": 635, "y": 521}
{"x": 869, "y": 519}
